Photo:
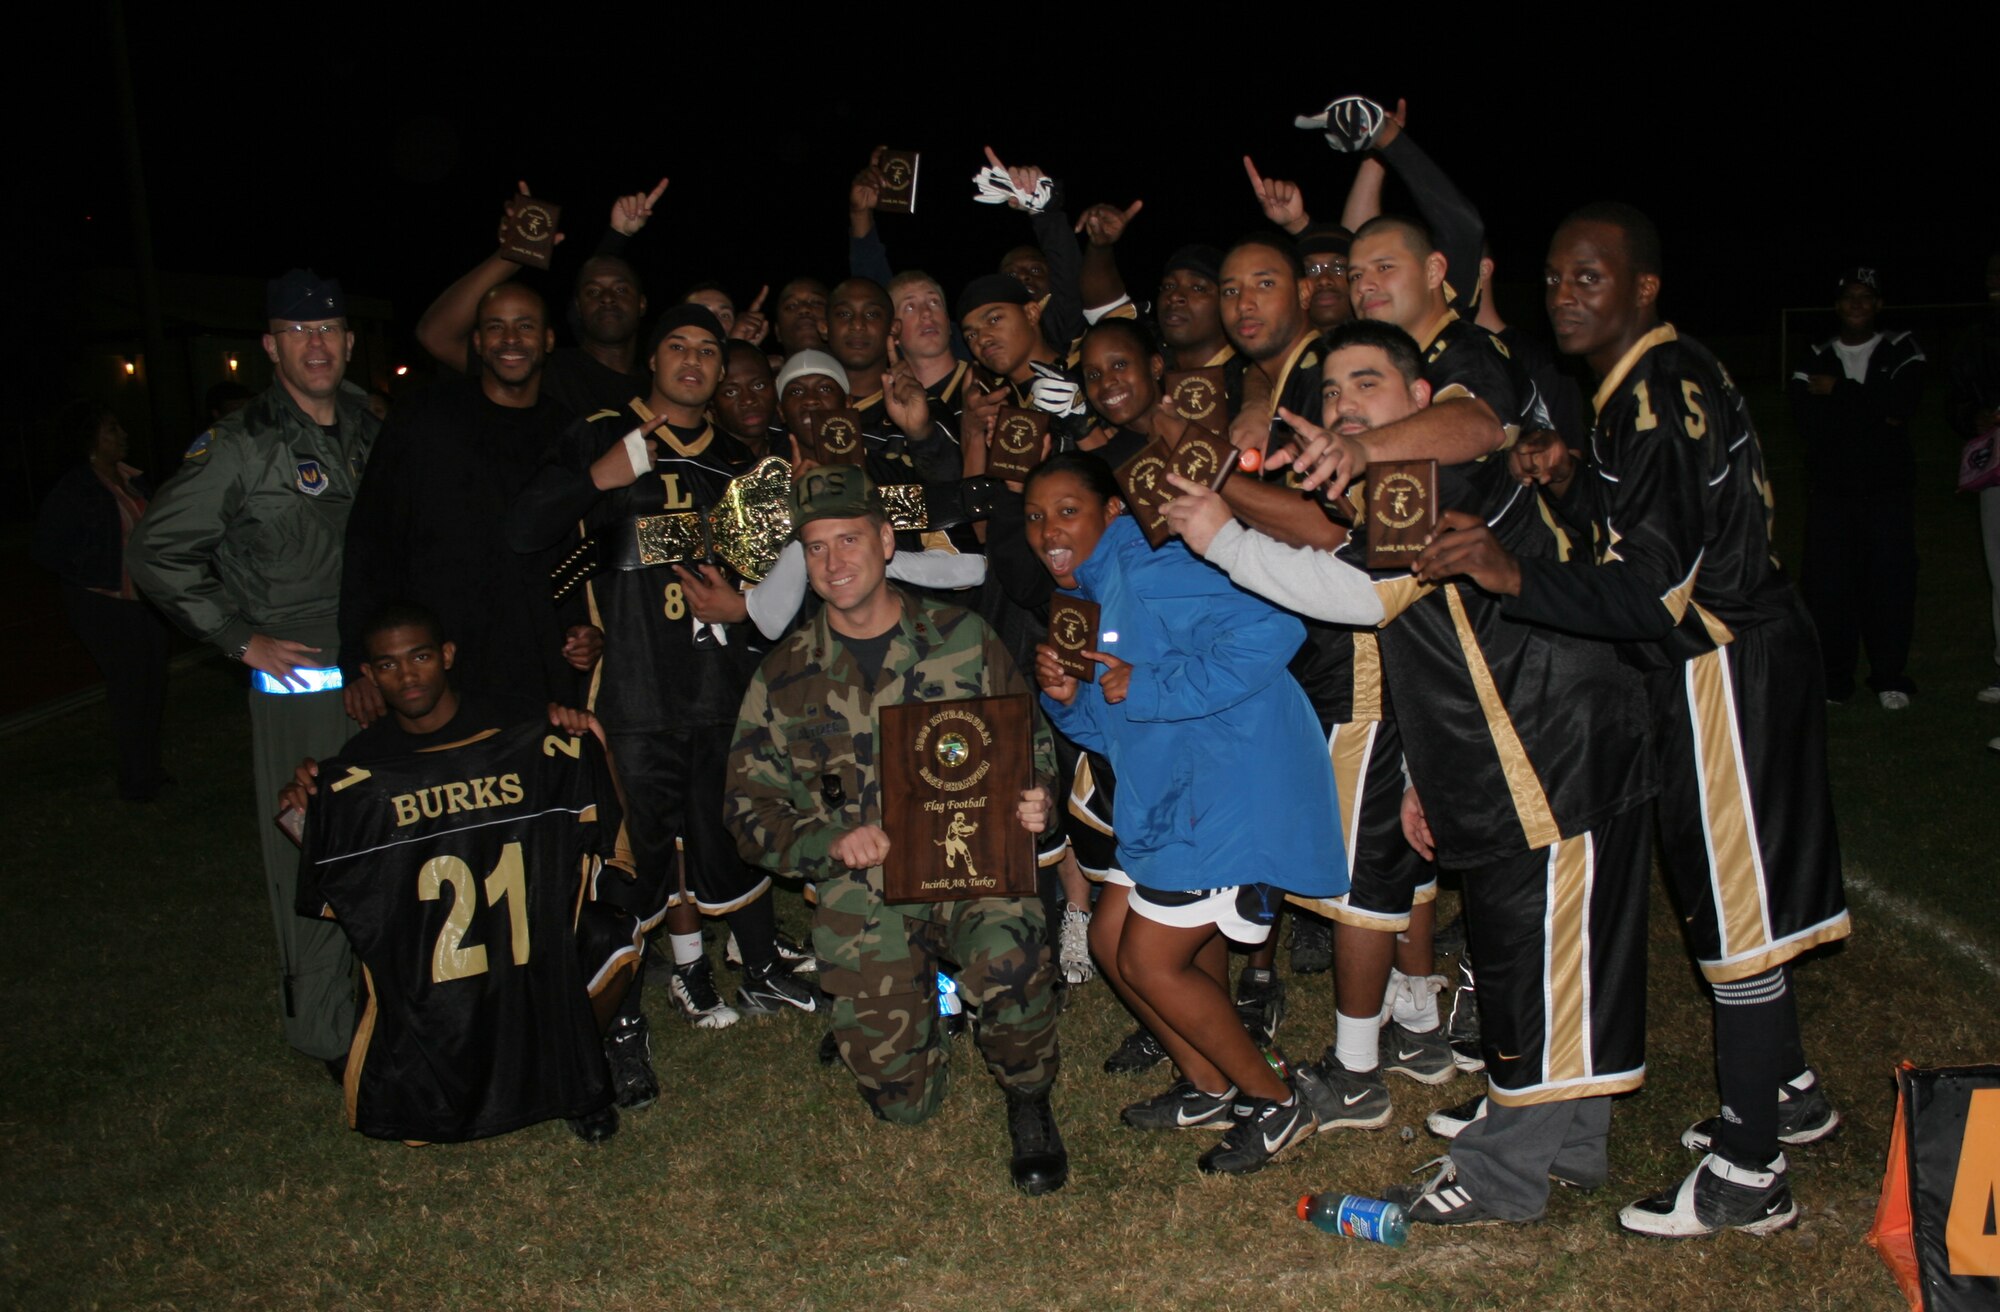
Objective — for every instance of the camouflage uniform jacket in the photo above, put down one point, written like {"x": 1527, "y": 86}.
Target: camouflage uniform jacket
{"x": 802, "y": 771}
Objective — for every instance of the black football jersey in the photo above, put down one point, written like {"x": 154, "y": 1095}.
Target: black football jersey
{"x": 456, "y": 873}
{"x": 662, "y": 668}
{"x": 1677, "y": 502}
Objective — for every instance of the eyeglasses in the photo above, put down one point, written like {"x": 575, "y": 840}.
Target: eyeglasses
{"x": 309, "y": 329}
{"x": 1336, "y": 268}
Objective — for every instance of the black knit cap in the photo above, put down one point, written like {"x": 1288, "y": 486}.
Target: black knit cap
{"x": 1322, "y": 237}
{"x": 1205, "y": 261}
{"x": 991, "y": 289}
{"x": 688, "y": 315}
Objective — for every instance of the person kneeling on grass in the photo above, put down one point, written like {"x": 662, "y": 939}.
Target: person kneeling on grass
{"x": 1225, "y": 797}
{"x": 805, "y": 796}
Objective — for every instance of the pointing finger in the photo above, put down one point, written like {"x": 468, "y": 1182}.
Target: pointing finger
{"x": 994, "y": 160}
{"x": 1256, "y": 182}
{"x": 762, "y": 292}
{"x": 653, "y": 197}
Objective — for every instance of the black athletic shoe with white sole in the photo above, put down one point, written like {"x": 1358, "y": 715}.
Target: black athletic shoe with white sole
{"x": 1260, "y": 1004}
{"x": 628, "y": 1049}
{"x": 1717, "y": 1195}
{"x": 1138, "y": 1051}
{"x": 1804, "y": 1116}
{"x": 1312, "y": 945}
{"x": 597, "y": 1126}
{"x": 1446, "y": 1122}
{"x": 1182, "y": 1107}
{"x": 1342, "y": 1099}
{"x": 692, "y": 987}
{"x": 772, "y": 987}
{"x": 1425, "y": 1058}
{"x": 1251, "y": 1143}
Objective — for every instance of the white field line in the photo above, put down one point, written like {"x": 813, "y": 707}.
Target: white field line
{"x": 1916, "y": 920}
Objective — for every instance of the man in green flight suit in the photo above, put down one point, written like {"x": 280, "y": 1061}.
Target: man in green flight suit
{"x": 805, "y": 797}
{"x": 242, "y": 549}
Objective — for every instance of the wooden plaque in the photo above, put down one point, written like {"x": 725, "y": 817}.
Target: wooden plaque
{"x": 1072, "y": 632}
{"x": 1016, "y": 448}
{"x": 952, "y": 775}
{"x": 530, "y": 235}
{"x": 1199, "y": 396}
{"x": 898, "y": 192}
{"x": 835, "y": 437}
{"x": 1144, "y": 480}
{"x": 1402, "y": 511}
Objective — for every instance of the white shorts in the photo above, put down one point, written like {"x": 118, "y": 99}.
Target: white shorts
{"x": 1215, "y": 906}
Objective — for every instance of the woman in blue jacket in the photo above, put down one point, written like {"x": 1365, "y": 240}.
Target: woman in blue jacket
{"x": 1225, "y": 796}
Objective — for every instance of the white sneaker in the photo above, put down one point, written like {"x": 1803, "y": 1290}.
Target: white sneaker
{"x": 1894, "y": 700}
{"x": 1073, "y": 950}
{"x": 1989, "y": 695}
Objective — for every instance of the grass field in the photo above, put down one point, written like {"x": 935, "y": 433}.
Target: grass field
{"x": 163, "y": 1149}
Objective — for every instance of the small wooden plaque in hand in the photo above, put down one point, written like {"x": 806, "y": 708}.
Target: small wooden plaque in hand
{"x": 530, "y": 236}
{"x": 1016, "y": 447}
{"x": 1200, "y": 396}
{"x": 898, "y": 192}
{"x": 1402, "y": 511}
{"x": 952, "y": 775}
{"x": 1072, "y": 632}
{"x": 835, "y": 437}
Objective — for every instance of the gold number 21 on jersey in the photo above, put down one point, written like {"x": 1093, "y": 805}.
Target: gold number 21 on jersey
{"x": 508, "y": 883}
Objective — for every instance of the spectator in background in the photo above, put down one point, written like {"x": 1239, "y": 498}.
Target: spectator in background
{"x": 80, "y": 538}
{"x": 1975, "y": 409}
{"x": 1853, "y": 396}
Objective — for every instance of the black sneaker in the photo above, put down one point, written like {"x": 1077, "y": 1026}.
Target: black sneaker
{"x": 1446, "y": 1122}
{"x": 800, "y": 960}
{"x": 628, "y": 1048}
{"x": 1804, "y": 1116}
{"x": 1444, "y": 1200}
{"x": 1312, "y": 945}
{"x": 1342, "y": 1099}
{"x": 1260, "y": 1002}
{"x": 1182, "y": 1107}
{"x": 1426, "y": 1058}
{"x": 596, "y": 1127}
{"x": 1139, "y": 1051}
{"x": 1268, "y": 1129}
{"x": 1040, "y": 1164}
{"x": 1462, "y": 1030}
{"x": 692, "y": 988}
{"x": 772, "y": 987}
{"x": 1717, "y": 1195}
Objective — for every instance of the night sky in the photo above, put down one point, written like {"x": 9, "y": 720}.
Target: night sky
{"x": 379, "y": 153}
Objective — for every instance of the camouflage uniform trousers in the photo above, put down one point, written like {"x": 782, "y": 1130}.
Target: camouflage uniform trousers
{"x": 880, "y": 968}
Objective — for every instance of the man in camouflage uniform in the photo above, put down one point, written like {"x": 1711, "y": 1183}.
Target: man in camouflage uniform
{"x": 242, "y": 548}
{"x": 805, "y": 797}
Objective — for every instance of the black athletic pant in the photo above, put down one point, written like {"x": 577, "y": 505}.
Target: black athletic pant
{"x": 1860, "y": 583}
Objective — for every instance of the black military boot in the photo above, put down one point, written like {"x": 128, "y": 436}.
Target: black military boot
{"x": 1041, "y": 1163}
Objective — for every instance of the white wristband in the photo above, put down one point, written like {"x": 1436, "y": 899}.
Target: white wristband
{"x": 636, "y": 452}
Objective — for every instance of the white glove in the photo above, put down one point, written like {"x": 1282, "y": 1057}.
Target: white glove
{"x": 1350, "y": 123}
{"x": 1053, "y": 392}
{"x": 994, "y": 187}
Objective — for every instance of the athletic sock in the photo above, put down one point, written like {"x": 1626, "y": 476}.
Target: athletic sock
{"x": 1357, "y": 1042}
{"x": 687, "y": 948}
{"x": 1791, "y": 1046}
{"x": 1750, "y": 1019}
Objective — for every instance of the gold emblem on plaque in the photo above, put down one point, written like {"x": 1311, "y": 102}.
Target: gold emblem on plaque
{"x": 953, "y": 750}
{"x": 1195, "y": 398}
{"x": 533, "y": 222}
{"x": 948, "y": 738}
{"x": 1399, "y": 501}
{"x": 837, "y": 437}
{"x": 1018, "y": 436}
{"x": 954, "y": 846}
{"x": 1069, "y": 631}
{"x": 896, "y": 172}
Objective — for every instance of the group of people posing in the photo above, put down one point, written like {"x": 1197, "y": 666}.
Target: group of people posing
{"x": 1593, "y": 657}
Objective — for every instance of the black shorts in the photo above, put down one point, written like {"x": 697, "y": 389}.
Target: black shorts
{"x": 674, "y": 785}
{"x": 1385, "y": 875}
{"x": 1559, "y": 935}
{"x": 1745, "y": 810}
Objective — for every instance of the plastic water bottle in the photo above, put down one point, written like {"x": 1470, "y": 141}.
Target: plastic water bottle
{"x": 1373, "y": 1219}
{"x": 948, "y": 1003}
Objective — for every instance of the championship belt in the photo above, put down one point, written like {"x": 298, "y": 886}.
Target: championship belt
{"x": 750, "y": 524}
